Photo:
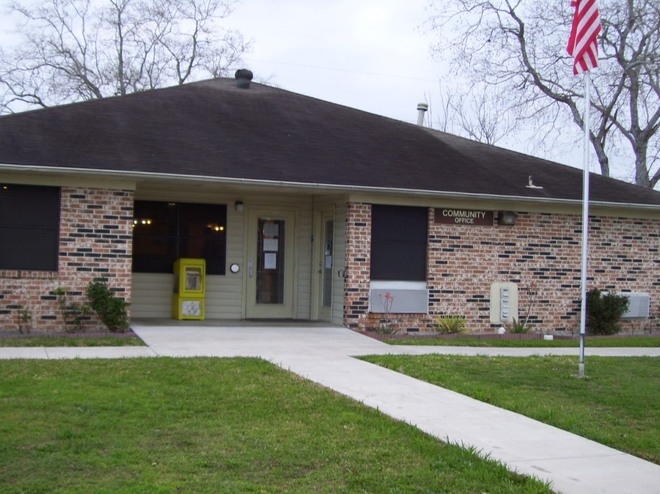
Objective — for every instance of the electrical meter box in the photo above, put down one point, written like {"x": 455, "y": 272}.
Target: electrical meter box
{"x": 189, "y": 289}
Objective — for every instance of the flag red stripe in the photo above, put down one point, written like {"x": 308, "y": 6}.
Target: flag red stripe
{"x": 583, "y": 40}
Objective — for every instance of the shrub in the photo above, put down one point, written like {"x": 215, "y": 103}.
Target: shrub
{"x": 110, "y": 309}
{"x": 24, "y": 316}
{"x": 604, "y": 311}
{"x": 518, "y": 327}
{"x": 450, "y": 324}
{"x": 74, "y": 314}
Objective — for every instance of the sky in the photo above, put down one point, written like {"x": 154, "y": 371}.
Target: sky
{"x": 373, "y": 55}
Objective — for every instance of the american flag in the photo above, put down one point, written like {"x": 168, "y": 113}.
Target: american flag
{"x": 583, "y": 42}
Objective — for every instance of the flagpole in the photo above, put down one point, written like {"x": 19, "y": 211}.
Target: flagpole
{"x": 585, "y": 222}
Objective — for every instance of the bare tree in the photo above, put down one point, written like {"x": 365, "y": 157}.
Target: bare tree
{"x": 517, "y": 49}
{"x": 474, "y": 113}
{"x": 72, "y": 50}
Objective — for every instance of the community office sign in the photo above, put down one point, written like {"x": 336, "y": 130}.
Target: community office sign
{"x": 472, "y": 217}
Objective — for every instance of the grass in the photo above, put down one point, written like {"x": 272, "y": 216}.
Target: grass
{"x": 213, "y": 425}
{"x": 71, "y": 341}
{"x": 617, "y": 404}
{"x": 591, "y": 341}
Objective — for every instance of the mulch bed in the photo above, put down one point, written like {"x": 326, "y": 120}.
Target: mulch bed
{"x": 15, "y": 334}
{"x": 436, "y": 336}
{"x": 485, "y": 336}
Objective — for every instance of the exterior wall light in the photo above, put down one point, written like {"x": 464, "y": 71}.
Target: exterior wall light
{"x": 239, "y": 207}
{"x": 507, "y": 218}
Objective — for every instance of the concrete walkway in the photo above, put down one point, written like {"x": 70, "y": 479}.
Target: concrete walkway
{"x": 324, "y": 354}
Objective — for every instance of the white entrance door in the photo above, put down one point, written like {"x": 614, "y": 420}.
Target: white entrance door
{"x": 271, "y": 264}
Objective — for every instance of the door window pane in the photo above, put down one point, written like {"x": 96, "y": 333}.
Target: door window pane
{"x": 270, "y": 262}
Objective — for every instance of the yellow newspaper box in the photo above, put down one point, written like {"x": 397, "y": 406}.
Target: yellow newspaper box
{"x": 189, "y": 289}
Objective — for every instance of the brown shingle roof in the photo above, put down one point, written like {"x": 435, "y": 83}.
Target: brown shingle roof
{"x": 214, "y": 129}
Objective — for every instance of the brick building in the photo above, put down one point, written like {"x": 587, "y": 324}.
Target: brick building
{"x": 303, "y": 209}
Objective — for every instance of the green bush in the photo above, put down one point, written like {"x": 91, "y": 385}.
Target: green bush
{"x": 604, "y": 310}
{"x": 110, "y": 309}
{"x": 518, "y": 327}
{"x": 450, "y": 324}
{"x": 74, "y": 314}
{"x": 24, "y": 318}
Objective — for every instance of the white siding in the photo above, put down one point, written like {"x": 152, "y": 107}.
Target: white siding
{"x": 152, "y": 295}
{"x": 339, "y": 264}
{"x": 303, "y": 288}
{"x": 224, "y": 297}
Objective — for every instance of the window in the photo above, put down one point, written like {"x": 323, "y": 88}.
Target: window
{"x": 398, "y": 243}
{"x": 166, "y": 231}
{"x": 29, "y": 227}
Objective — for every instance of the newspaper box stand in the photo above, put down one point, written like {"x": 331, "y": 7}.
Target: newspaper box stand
{"x": 189, "y": 289}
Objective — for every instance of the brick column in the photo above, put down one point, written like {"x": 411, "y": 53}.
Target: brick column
{"x": 96, "y": 239}
{"x": 358, "y": 265}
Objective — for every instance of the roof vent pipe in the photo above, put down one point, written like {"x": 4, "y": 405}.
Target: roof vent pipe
{"x": 421, "y": 110}
{"x": 243, "y": 78}
{"x": 530, "y": 183}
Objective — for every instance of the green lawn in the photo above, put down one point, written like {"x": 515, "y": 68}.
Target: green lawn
{"x": 591, "y": 341}
{"x": 618, "y": 403}
{"x": 213, "y": 425}
{"x": 71, "y": 340}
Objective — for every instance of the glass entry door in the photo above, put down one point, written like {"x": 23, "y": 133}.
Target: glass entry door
{"x": 270, "y": 265}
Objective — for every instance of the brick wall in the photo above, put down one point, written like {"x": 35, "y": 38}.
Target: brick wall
{"x": 95, "y": 241}
{"x": 541, "y": 253}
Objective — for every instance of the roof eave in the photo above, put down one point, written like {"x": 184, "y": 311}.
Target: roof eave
{"x": 139, "y": 175}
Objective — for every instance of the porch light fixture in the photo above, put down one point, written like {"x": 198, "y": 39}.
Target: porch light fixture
{"x": 239, "y": 207}
{"x": 507, "y": 218}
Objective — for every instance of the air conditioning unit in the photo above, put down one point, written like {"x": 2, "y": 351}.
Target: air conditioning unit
{"x": 398, "y": 297}
{"x": 639, "y": 305}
